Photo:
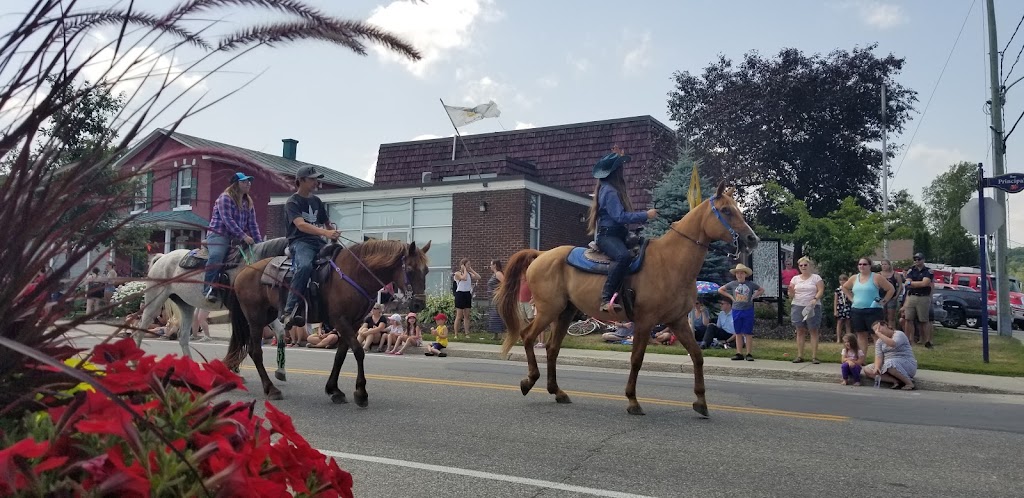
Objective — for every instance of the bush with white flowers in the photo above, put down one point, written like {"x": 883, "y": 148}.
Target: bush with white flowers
{"x": 128, "y": 298}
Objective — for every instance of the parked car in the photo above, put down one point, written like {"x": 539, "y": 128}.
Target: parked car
{"x": 962, "y": 305}
{"x": 971, "y": 277}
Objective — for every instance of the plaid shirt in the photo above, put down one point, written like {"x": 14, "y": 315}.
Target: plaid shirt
{"x": 231, "y": 221}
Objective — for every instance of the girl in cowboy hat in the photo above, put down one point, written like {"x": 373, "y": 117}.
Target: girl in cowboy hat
{"x": 610, "y": 212}
{"x": 742, "y": 293}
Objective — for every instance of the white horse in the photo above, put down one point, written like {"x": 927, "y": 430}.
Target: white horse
{"x": 167, "y": 280}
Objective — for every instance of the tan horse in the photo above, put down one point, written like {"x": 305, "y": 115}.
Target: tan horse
{"x": 665, "y": 292}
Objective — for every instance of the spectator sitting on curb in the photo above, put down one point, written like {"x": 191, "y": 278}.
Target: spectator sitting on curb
{"x": 411, "y": 335}
{"x": 440, "y": 337}
{"x": 622, "y": 332}
{"x": 722, "y": 331}
{"x": 324, "y": 338}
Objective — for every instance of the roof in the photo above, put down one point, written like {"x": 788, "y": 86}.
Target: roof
{"x": 562, "y": 155}
{"x": 282, "y": 165}
{"x": 166, "y": 219}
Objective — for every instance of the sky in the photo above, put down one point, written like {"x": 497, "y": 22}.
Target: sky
{"x": 549, "y": 63}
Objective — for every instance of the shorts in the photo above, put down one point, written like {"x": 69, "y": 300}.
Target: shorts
{"x": 526, "y": 309}
{"x": 917, "y": 308}
{"x": 797, "y": 317}
{"x": 463, "y": 300}
{"x": 743, "y": 321}
{"x": 862, "y": 318}
{"x": 437, "y": 346}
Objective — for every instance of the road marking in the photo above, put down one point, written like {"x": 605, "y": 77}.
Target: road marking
{"x": 584, "y": 394}
{"x": 482, "y": 475}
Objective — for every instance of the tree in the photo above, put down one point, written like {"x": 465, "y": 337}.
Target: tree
{"x": 946, "y": 195}
{"x": 671, "y": 199}
{"x": 804, "y": 122}
{"x": 908, "y": 219}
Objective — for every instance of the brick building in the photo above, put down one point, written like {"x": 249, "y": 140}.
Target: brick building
{"x": 498, "y": 193}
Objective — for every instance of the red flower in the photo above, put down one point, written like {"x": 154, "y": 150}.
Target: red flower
{"x": 282, "y": 424}
{"x": 11, "y": 478}
{"x": 114, "y": 352}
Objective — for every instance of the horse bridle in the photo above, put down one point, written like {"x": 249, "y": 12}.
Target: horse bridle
{"x": 388, "y": 288}
{"x": 721, "y": 219}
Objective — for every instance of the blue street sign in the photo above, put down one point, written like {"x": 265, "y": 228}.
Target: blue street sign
{"x": 1010, "y": 182}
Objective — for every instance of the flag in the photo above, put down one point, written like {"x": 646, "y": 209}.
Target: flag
{"x": 465, "y": 115}
{"x": 693, "y": 194}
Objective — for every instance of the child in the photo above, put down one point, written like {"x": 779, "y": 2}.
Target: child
{"x": 390, "y": 343}
{"x": 852, "y": 359}
{"x": 841, "y": 309}
{"x": 742, "y": 293}
{"x": 440, "y": 336}
{"x": 412, "y": 334}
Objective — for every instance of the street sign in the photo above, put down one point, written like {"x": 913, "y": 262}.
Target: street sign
{"x": 970, "y": 219}
{"x": 1010, "y": 182}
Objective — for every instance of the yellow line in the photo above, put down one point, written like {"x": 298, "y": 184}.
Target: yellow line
{"x": 583, "y": 394}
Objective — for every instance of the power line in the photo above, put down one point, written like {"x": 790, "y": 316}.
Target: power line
{"x": 934, "y": 88}
{"x": 1003, "y": 52}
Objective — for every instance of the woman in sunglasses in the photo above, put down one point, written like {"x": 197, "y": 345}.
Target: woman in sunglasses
{"x": 867, "y": 303}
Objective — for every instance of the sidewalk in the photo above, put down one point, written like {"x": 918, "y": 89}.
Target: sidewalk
{"x": 764, "y": 369}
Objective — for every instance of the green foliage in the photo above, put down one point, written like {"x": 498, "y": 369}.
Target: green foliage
{"x": 836, "y": 241}
{"x": 671, "y": 199}
{"x": 443, "y": 302}
{"x": 947, "y": 194}
{"x": 807, "y": 123}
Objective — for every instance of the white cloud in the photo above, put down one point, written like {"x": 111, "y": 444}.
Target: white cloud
{"x": 548, "y": 82}
{"x": 135, "y": 67}
{"x": 638, "y": 53}
{"x": 581, "y": 64}
{"x": 476, "y": 91}
{"x": 522, "y": 126}
{"x": 426, "y": 136}
{"x": 435, "y": 28}
{"x": 878, "y": 14}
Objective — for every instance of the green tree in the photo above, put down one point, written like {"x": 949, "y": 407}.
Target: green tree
{"x": 672, "y": 201}
{"x": 909, "y": 220}
{"x": 946, "y": 195}
{"x": 803, "y": 122}
{"x": 836, "y": 241}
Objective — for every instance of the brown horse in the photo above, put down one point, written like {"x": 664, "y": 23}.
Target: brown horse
{"x": 367, "y": 268}
{"x": 665, "y": 292}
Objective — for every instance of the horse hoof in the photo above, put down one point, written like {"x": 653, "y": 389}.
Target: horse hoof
{"x": 525, "y": 385}
{"x": 361, "y": 400}
{"x": 280, "y": 375}
{"x": 701, "y": 408}
{"x": 563, "y": 399}
{"x": 275, "y": 395}
{"x": 338, "y": 398}
{"x": 635, "y": 410}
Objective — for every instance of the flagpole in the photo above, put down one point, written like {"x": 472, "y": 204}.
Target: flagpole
{"x": 457, "y": 134}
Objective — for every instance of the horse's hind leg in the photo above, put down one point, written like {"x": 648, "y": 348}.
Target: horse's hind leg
{"x": 185, "y": 332}
{"x": 278, "y": 329}
{"x": 553, "y": 347}
{"x": 682, "y": 331}
{"x": 641, "y": 332}
{"x": 540, "y": 322}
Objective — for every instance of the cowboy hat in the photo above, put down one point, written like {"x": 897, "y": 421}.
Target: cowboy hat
{"x": 741, "y": 268}
{"x": 609, "y": 164}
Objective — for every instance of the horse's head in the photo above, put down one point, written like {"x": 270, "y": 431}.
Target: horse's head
{"x": 724, "y": 221}
{"x": 411, "y": 276}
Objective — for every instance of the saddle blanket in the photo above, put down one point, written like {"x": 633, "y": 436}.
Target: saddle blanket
{"x": 591, "y": 261}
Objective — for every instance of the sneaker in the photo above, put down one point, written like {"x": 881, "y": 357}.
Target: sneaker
{"x": 428, "y": 353}
{"x": 737, "y": 356}
{"x": 750, "y": 357}
{"x": 442, "y": 355}
{"x": 928, "y": 344}
{"x": 607, "y": 307}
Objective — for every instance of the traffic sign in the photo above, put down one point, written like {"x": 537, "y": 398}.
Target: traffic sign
{"x": 1010, "y": 182}
{"x": 970, "y": 219}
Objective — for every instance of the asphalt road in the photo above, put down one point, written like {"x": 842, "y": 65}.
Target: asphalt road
{"x": 460, "y": 427}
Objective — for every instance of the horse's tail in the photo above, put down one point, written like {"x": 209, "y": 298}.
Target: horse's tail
{"x": 238, "y": 346}
{"x": 507, "y": 296}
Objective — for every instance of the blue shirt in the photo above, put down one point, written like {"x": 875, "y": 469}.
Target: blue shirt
{"x": 725, "y": 322}
{"x": 611, "y": 213}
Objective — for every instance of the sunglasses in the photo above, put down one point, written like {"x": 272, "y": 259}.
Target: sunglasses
{"x": 917, "y": 259}
{"x": 863, "y": 264}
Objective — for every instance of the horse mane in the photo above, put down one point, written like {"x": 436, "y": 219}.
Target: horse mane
{"x": 383, "y": 253}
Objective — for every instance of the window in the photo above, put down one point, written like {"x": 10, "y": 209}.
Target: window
{"x": 455, "y": 178}
{"x": 432, "y": 211}
{"x": 143, "y": 193}
{"x": 965, "y": 281}
{"x": 535, "y": 221}
{"x": 387, "y": 213}
{"x": 184, "y": 194}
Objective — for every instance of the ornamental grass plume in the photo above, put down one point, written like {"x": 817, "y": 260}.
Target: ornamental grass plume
{"x": 147, "y": 426}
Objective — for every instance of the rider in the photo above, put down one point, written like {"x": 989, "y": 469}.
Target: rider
{"x": 307, "y": 221}
{"x": 610, "y": 212}
{"x": 233, "y": 220}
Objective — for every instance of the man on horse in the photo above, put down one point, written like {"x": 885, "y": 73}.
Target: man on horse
{"x": 307, "y": 222}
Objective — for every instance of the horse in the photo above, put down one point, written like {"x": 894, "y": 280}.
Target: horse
{"x": 665, "y": 288}
{"x": 357, "y": 274}
{"x": 167, "y": 280}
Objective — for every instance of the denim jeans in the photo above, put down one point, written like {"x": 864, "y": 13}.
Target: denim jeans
{"x": 612, "y": 242}
{"x": 217, "y": 247}
{"x": 303, "y": 253}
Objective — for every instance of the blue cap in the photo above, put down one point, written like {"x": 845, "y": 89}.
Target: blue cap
{"x": 240, "y": 177}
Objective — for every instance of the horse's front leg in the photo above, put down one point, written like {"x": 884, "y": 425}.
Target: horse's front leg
{"x": 684, "y": 333}
{"x": 641, "y": 337}
{"x": 554, "y": 345}
{"x": 278, "y": 329}
{"x": 256, "y": 353}
{"x": 540, "y": 322}
{"x": 346, "y": 339}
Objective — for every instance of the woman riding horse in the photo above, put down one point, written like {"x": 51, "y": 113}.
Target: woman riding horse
{"x": 665, "y": 289}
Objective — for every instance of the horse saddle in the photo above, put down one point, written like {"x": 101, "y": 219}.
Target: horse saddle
{"x": 591, "y": 260}
{"x": 280, "y": 269}
{"x": 197, "y": 258}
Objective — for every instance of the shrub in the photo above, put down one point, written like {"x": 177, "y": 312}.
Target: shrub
{"x": 443, "y": 302}
{"x": 127, "y": 298}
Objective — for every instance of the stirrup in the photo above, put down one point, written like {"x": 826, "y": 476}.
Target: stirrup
{"x": 611, "y": 307}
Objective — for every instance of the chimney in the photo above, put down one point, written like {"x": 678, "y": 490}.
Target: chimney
{"x": 290, "y": 145}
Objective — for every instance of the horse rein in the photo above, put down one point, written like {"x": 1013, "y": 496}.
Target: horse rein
{"x": 389, "y": 288}
{"x": 721, "y": 219}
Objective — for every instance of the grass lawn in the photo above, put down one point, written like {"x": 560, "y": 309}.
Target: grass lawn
{"x": 955, "y": 351}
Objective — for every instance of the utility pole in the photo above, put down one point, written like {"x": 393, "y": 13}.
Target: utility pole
{"x": 998, "y": 168}
{"x": 885, "y": 179}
